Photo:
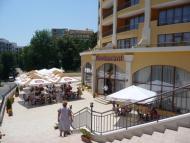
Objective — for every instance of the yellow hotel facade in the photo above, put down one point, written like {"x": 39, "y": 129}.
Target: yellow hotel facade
{"x": 140, "y": 42}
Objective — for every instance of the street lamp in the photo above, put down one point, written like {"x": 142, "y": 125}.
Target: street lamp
{"x": 91, "y": 107}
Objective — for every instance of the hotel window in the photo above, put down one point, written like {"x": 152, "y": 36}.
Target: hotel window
{"x": 126, "y": 43}
{"x": 163, "y": 78}
{"x": 174, "y": 15}
{"x": 175, "y": 39}
{"x": 112, "y": 76}
{"x": 186, "y": 14}
{"x": 133, "y": 23}
{"x": 133, "y": 2}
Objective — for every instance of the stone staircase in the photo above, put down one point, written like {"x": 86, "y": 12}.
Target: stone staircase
{"x": 170, "y": 130}
{"x": 101, "y": 99}
{"x": 182, "y": 135}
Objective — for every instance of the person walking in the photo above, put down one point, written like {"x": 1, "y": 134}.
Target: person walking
{"x": 64, "y": 119}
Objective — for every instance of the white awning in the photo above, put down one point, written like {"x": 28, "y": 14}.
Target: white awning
{"x": 132, "y": 94}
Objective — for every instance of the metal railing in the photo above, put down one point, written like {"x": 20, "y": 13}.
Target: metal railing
{"x": 8, "y": 93}
{"x": 123, "y": 28}
{"x": 164, "y": 105}
{"x": 168, "y": 44}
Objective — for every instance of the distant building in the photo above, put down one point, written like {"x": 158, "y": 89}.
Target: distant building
{"x": 81, "y": 34}
{"x": 58, "y": 33}
{"x": 6, "y": 46}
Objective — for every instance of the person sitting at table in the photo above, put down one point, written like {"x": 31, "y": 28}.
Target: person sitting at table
{"x": 117, "y": 110}
{"x": 125, "y": 109}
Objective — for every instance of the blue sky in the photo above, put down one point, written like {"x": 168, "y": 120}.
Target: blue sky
{"x": 19, "y": 19}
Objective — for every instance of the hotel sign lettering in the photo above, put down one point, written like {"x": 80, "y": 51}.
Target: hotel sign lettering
{"x": 109, "y": 58}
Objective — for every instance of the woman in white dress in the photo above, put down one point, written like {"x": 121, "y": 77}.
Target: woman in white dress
{"x": 64, "y": 119}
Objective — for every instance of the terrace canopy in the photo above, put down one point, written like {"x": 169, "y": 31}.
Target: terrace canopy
{"x": 132, "y": 94}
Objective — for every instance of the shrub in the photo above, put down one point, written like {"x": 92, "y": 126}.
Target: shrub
{"x": 86, "y": 133}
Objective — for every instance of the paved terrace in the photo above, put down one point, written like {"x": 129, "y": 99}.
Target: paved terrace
{"x": 36, "y": 124}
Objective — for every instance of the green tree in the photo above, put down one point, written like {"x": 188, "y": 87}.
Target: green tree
{"x": 44, "y": 53}
{"x": 93, "y": 40}
{"x": 8, "y": 62}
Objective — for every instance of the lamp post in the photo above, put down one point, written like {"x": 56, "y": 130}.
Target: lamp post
{"x": 91, "y": 107}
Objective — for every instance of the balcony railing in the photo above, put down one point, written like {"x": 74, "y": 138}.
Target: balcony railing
{"x": 107, "y": 33}
{"x": 125, "y": 5}
{"x": 123, "y": 28}
{"x": 170, "y": 44}
{"x": 107, "y": 13}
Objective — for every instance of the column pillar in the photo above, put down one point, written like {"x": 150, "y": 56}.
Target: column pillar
{"x": 128, "y": 60}
{"x": 114, "y": 34}
{"x": 147, "y": 24}
{"x": 93, "y": 74}
{"x": 100, "y": 24}
{"x": 82, "y": 72}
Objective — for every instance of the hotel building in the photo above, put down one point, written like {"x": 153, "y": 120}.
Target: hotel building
{"x": 140, "y": 42}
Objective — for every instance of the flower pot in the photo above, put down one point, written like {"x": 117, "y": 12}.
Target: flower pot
{"x": 85, "y": 139}
{"x": 10, "y": 112}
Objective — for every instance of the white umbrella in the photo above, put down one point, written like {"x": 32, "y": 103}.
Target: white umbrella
{"x": 37, "y": 82}
{"x": 132, "y": 94}
{"x": 22, "y": 81}
{"x": 53, "y": 79}
{"x": 67, "y": 80}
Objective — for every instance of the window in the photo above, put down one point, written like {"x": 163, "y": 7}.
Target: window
{"x": 161, "y": 40}
{"x": 112, "y": 76}
{"x": 176, "y": 39}
{"x": 186, "y": 37}
{"x": 126, "y": 43}
{"x": 170, "y": 16}
{"x": 186, "y": 14}
{"x": 134, "y": 22}
{"x": 162, "y": 18}
{"x": 169, "y": 39}
{"x": 134, "y": 2}
{"x": 174, "y": 15}
{"x": 178, "y": 15}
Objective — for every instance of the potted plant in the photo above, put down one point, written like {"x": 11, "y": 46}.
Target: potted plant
{"x": 17, "y": 92}
{"x": 9, "y": 107}
{"x": 86, "y": 136}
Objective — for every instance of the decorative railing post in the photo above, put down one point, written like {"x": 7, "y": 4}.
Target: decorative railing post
{"x": 91, "y": 108}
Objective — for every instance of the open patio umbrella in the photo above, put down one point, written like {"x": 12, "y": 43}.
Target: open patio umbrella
{"x": 131, "y": 94}
{"x": 37, "y": 82}
{"x": 67, "y": 80}
{"x": 22, "y": 81}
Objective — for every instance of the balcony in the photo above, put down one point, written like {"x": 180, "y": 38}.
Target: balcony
{"x": 171, "y": 44}
{"x": 123, "y": 28}
{"x": 126, "y": 5}
{"x": 107, "y": 33}
{"x": 107, "y": 13}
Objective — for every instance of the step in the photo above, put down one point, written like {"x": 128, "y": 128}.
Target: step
{"x": 157, "y": 137}
{"x": 116, "y": 141}
{"x": 183, "y": 135}
{"x": 146, "y": 138}
{"x": 169, "y": 136}
{"x": 135, "y": 139}
{"x": 102, "y": 100}
{"x": 126, "y": 140}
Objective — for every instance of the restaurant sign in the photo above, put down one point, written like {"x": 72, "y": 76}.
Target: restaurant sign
{"x": 109, "y": 58}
